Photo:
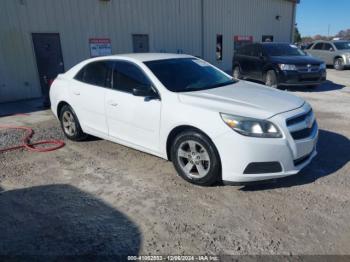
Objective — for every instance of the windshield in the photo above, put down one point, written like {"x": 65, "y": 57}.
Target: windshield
{"x": 282, "y": 50}
{"x": 188, "y": 74}
{"x": 342, "y": 45}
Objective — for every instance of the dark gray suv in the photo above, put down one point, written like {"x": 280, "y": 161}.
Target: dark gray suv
{"x": 278, "y": 64}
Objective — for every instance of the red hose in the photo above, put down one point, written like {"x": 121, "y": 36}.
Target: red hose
{"x": 56, "y": 144}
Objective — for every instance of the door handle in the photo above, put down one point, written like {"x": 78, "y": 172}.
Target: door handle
{"x": 112, "y": 103}
{"x": 77, "y": 93}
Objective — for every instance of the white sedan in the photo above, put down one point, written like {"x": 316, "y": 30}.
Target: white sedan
{"x": 183, "y": 109}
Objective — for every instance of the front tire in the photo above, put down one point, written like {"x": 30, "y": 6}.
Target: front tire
{"x": 271, "y": 79}
{"x": 70, "y": 124}
{"x": 339, "y": 64}
{"x": 196, "y": 159}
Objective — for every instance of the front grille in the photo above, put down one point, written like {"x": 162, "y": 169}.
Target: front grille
{"x": 303, "y": 133}
{"x": 308, "y": 68}
{"x": 298, "y": 119}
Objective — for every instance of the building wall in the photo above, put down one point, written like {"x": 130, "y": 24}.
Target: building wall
{"x": 248, "y": 18}
{"x": 172, "y": 26}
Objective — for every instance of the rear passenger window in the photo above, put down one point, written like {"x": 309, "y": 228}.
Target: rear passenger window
{"x": 127, "y": 76}
{"x": 318, "y": 46}
{"x": 96, "y": 73}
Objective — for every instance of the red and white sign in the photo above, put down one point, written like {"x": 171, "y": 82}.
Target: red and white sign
{"x": 241, "y": 38}
{"x": 100, "y": 47}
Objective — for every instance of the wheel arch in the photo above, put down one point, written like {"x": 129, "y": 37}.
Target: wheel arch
{"x": 336, "y": 57}
{"x": 182, "y": 128}
{"x": 60, "y": 105}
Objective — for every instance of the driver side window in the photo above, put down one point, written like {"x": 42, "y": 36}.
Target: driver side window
{"x": 327, "y": 47}
{"x": 127, "y": 76}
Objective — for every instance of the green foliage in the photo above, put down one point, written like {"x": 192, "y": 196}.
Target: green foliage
{"x": 297, "y": 36}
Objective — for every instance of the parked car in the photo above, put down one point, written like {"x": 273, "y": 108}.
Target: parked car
{"x": 335, "y": 53}
{"x": 183, "y": 109}
{"x": 278, "y": 64}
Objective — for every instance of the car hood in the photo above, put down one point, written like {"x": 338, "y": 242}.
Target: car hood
{"x": 244, "y": 99}
{"x": 296, "y": 60}
{"x": 343, "y": 52}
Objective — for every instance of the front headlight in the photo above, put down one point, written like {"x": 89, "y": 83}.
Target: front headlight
{"x": 252, "y": 127}
{"x": 287, "y": 67}
{"x": 322, "y": 66}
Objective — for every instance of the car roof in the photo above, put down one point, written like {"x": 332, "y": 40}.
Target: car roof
{"x": 330, "y": 41}
{"x": 144, "y": 57}
{"x": 136, "y": 57}
{"x": 275, "y": 43}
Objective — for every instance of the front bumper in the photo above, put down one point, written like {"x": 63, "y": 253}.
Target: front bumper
{"x": 238, "y": 152}
{"x": 346, "y": 60}
{"x": 295, "y": 78}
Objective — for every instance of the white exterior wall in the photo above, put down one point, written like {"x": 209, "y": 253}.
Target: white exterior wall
{"x": 172, "y": 26}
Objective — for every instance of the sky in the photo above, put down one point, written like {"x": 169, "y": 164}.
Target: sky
{"x": 314, "y": 16}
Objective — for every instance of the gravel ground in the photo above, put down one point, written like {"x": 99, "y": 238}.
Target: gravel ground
{"x": 97, "y": 197}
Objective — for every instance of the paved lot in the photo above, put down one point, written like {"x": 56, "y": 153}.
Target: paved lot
{"x": 96, "y": 197}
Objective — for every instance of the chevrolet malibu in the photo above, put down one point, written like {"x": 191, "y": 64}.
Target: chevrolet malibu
{"x": 185, "y": 110}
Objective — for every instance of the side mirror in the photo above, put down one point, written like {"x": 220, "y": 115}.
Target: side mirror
{"x": 331, "y": 49}
{"x": 144, "y": 91}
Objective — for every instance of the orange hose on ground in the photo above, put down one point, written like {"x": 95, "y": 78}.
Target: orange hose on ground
{"x": 56, "y": 144}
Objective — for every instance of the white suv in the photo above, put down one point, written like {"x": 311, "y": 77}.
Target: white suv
{"x": 183, "y": 109}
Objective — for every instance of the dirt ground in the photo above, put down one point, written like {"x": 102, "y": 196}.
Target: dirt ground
{"x": 97, "y": 197}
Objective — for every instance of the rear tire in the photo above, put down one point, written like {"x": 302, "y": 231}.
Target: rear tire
{"x": 195, "y": 158}
{"x": 271, "y": 79}
{"x": 339, "y": 64}
{"x": 70, "y": 124}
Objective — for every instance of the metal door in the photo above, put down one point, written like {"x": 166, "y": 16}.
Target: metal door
{"x": 49, "y": 60}
{"x": 140, "y": 43}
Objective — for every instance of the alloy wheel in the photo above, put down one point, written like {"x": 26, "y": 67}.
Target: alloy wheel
{"x": 69, "y": 124}
{"x": 338, "y": 63}
{"x": 270, "y": 81}
{"x": 194, "y": 159}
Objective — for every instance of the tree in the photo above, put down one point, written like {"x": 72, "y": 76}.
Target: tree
{"x": 297, "y": 36}
{"x": 307, "y": 39}
{"x": 344, "y": 34}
